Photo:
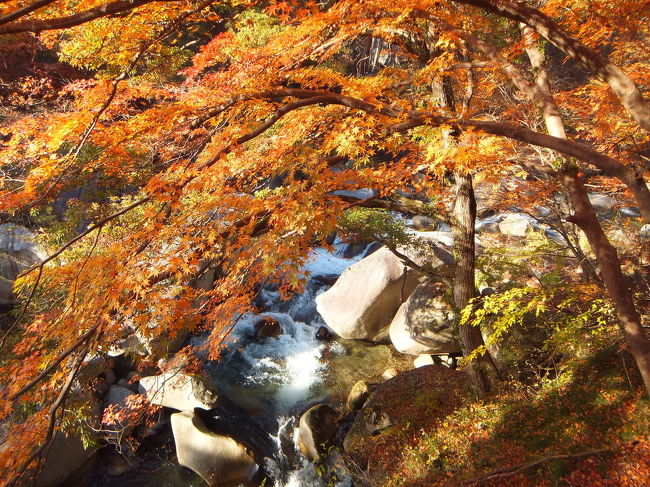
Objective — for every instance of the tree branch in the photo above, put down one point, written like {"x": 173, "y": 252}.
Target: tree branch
{"x": 21, "y": 12}
{"x": 74, "y": 19}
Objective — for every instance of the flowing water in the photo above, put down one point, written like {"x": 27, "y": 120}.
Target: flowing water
{"x": 273, "y": 381}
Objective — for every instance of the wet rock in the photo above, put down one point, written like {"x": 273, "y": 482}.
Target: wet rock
{"x": 372, "y": 248}
{"x": 421, "y": 222}
{"x": 631, "y": 211}
{"x": 218, "y": 459}
{"x": 424, "y": 323}
{"x": 323, "y": 334}
{"x": 422, "y": 360}
{"x": 354, "y": 249}
{"x": 363, "y": 301}
{"x": 267, "y": 327}
{"x": 180, "y": 391}
{"x": 316, "y": 431}
{"x": 358, "y": 395}
{"x": 327, "y": 279}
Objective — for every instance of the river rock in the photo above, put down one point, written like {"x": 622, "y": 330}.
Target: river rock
{"x": 180, "y": 391}
{"x": 18, "y": 251}
{"x": 421, "y": 222}
{"x": 323, "y": 334}
{"x": 515, "y": 226}
{"x": 66, "y": 456}
{"x": 363, "y": 301}
{"x": 358, "y": 395}
{"x": 118, "y": 401}
{"x": 602, "y": 202}
{"x": 218, "y": 459}
{"x": 424, "y": 323}
{"x": 267, "y": 327}
{"x": 316, "y": 431}
{"x": 422, "y": 360}
{"x": 430, "y": 250}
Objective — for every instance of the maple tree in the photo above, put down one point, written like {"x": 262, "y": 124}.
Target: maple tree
{"x": 182, "y": 151}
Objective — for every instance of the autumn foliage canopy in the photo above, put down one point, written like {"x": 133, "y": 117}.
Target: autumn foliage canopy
{"x": 180, "y": 113}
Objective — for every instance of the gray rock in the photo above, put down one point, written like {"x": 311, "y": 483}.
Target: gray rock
{"x": 363, "y": 301}
{"x": 514, "y": 225}
{"x": 421, "y": 222}
{"x": 631, "y": 211}
{"x": 601, "y": 202}
{"x": 424, "y": 323}
{"x": 316, "y": 431}
{"x": 180, "y": 391}
{"x": 129, "y": 385}
{"x": 218, "y": 459}
{"x": 118, "y": 400}
{"x": 18, "y": 252}
{"x": 429, "y": 250}
{"x": 66, "y": 456}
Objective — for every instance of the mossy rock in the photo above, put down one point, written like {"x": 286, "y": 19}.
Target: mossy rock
{"x": 400, "y": 408}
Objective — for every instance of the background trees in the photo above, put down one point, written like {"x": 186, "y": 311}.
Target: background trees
{"x": 325, "y": 97}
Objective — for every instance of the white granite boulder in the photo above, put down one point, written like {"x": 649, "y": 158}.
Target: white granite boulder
{"x": 363, "y": 301}
{"x": 180, "y": 391}
{"x": 424, "y": 323}
{"x": 218, "y": 459}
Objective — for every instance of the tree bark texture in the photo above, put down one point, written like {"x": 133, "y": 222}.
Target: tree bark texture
{"x": 482, "y": 370}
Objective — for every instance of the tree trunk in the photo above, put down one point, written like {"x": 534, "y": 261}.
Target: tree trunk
{"x": 619, "y": 292}
{"x": 585, "y": 217}
{"x": 482, "y": 370}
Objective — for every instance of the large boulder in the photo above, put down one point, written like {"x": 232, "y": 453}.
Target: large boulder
{"x": 431, "y": 251}
{"x": 18, "y": 251}
{"x": 316, "y": 431}
{"x": 69, "y": 455}
{"x": 515, "y": 226}
{"x": 424, "y": 323}
{"x": 218, "y": 459}
{"x": 363, "y": 301}
{"x": 180, "y": 391}
{"x": 124, "y": 413}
